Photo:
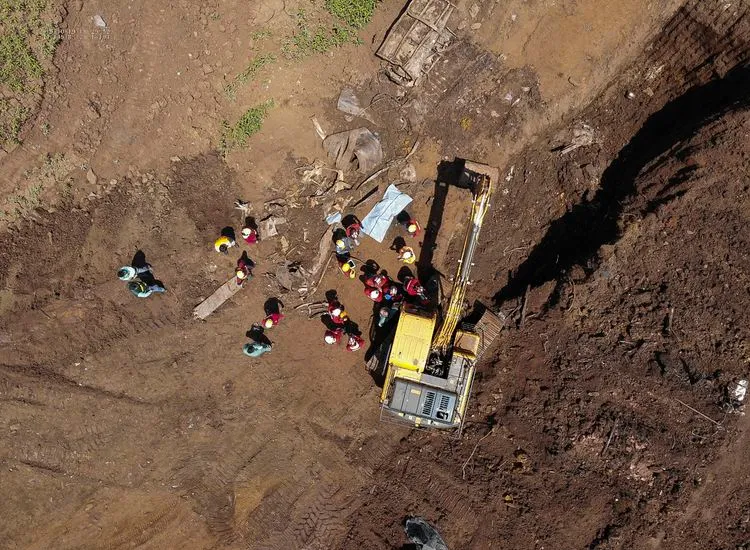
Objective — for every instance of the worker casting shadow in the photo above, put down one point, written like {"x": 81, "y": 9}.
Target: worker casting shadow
{"x": 257, "y": 334}
{"x": 139, "y": 262}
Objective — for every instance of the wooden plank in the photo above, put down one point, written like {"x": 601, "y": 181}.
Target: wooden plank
{"x": 221, "y": 295}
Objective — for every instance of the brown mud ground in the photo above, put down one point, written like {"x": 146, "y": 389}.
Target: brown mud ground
{"x": 622, "y": 267}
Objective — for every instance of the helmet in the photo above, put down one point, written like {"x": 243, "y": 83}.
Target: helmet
{"x": 345, "y": 267}
{"x": 241, "y": 274}
{"x": 126, "y": 273}
{"x": 374, "y": 293}
{"x": 407, "y": 254}
{"x": 224, "y": 249}
{"x": 340, "y": 243}
{"x": 412, "y": 227}
{"x": 246, "y": 231}
{"x": 329, "y": 338}
{"x": 268, "y": 322}
{"x": 337, "y": 311}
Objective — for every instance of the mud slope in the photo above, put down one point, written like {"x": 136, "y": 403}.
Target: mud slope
{"x": 632, "y": 254}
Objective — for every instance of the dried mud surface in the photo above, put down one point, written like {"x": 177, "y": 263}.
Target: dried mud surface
{"x": 599, "y": 420}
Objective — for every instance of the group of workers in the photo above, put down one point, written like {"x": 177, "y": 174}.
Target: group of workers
{"x": 379, "y": 287}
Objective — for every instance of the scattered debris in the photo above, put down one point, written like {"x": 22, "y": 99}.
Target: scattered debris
{"x": 416, "y": 40}
{"x": 582, "y": 136}
{"x": 91, "y": 177}
{"x": 333, "y": 217}
{"x": 424, "y": 535}
{"x": 630, "y": 95}
{"x": 736, "y": 393}
{"x": 268, "y": 227}
{"x": 391, "y": 164}
{"x": 377, "y": 222}
{"x": 408, "y": 173}
{"x": 349, "y": 103}
{"x": 284, "y": 244}
{"x": 357, "y": 149}
{"x": 291, "y": 276}
{"x": 696, "y": 411}
{"x": 463, "y": 468}
{"x": 318, "y": 128}
{"x": 99, "y": 21}
{"x": 313, "y": 309}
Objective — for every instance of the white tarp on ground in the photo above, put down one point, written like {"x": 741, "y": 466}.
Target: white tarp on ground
{"x": 377, "y": 222}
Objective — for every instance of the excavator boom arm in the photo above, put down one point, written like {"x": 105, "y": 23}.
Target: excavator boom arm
{"x": 452, "y": 314}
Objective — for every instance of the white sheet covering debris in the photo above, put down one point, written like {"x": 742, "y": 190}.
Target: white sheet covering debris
{"x": 377, "y": 222}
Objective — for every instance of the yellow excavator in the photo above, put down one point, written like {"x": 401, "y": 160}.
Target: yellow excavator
{"x": 429, "y": 373}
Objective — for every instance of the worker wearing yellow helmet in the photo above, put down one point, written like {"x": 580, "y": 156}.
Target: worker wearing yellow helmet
{"x": 224, "y": 243}
{"x": 348, "y": 267}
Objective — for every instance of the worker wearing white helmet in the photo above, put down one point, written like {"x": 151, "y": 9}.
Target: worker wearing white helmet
{"x": 374, "y": 294}
{"x": 333, "y": 336}
{"x": 406, "y": 255}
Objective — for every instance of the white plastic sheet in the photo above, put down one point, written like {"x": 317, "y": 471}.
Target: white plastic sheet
{"x": 377, "y": 222}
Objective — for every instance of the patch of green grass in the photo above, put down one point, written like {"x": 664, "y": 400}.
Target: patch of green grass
{"x": 28, "y": 39}
{"x": 249, "y": 124}
{"x": 306, "y": 42}
{"x": 248, "y": 74}
{"x": 355, "y": 13}
{"x": 19, "y": 67}
{"x": 12, "y": 117}
{"x": 261, "y": 34}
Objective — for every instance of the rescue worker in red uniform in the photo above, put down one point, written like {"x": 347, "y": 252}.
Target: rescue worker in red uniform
{"x": 244, "y": 270}
{"x": 333, "y": 336}
{"x": 272, "y": 320}
{"x": 354, "y": 343}
{"x": 374, "y": 294}
{"x": 337, "y": 313}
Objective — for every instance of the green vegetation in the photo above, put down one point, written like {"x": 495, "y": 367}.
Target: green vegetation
{"x": 248, "y": 74}
{"x": 355, "y": 13}
{"x": 261, "y": 34}
{"x": 249, "y": 124}
{"x": 28, "y": 38}
{"x": 12, "y": 117}
{"x": 306, "y": 42}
